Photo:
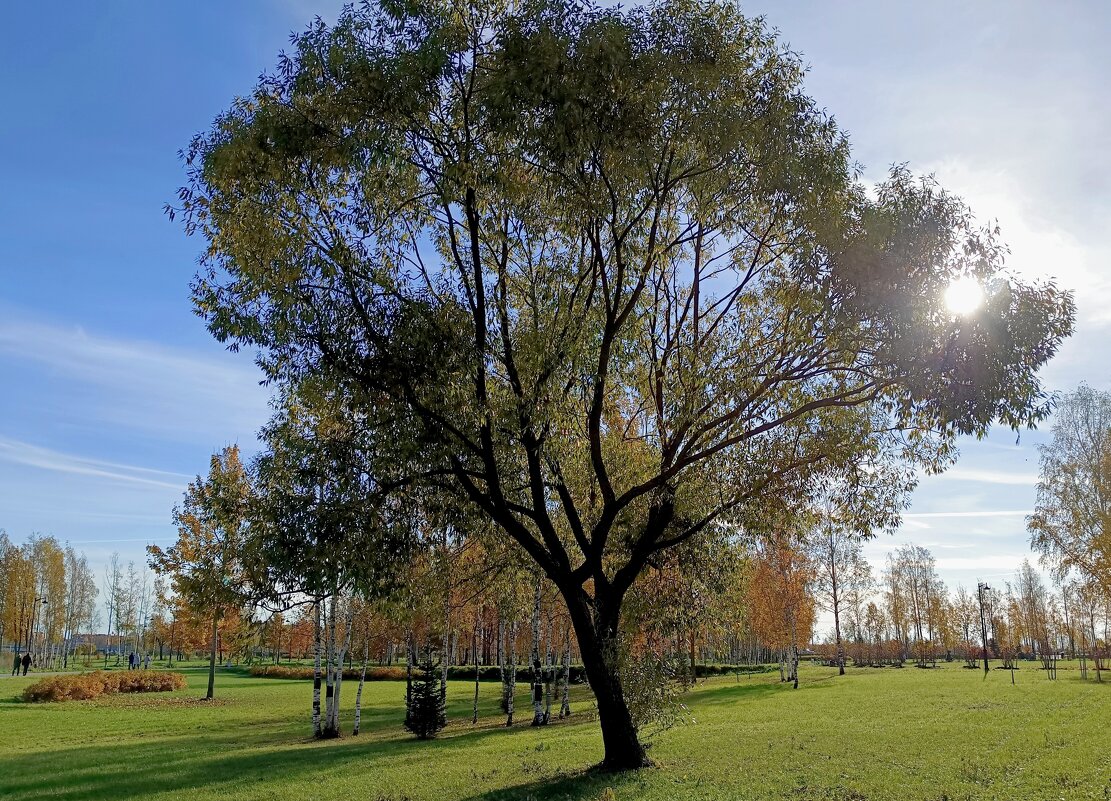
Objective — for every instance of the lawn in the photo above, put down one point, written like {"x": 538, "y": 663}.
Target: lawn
{"x": 872, "y": 734}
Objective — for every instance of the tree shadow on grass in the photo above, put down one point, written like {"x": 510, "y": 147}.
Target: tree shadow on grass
{"x": 230, "y": 763}
{"x": 590, "y": 784}
{"x": 731, "y": 693}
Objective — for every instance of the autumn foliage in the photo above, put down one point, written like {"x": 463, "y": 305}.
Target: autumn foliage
{"x": 84, "y": 686}
{"x": 783, "y": 613}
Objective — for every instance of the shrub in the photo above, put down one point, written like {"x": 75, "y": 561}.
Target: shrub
{"x": 83, "y": 686}
{"x": 373, "y": 673}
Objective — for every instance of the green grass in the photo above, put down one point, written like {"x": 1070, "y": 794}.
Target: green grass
{"x": 873, "y": 734}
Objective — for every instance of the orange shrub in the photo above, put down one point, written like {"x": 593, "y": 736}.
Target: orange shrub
{"x": 83, "y": 686}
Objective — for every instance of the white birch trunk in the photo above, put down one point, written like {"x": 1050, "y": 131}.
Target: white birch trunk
{"x": 408, "y": 673}
{"x": 511, "y": 673}
{"x": 477, "y": 666}
{"x": 329, "y": 660}
{"x": 362, "y": 681}
{"x": 316, "y": 672}
{"x": 794, "y": 653}
{"x": 565, "y": 706}
{"x": 337, "y": 682}
{"x": 536, "y": 690}
{"x": 501, "y": 649}
{"x": 549, "y": 675}
{"x": 445, "y": 643}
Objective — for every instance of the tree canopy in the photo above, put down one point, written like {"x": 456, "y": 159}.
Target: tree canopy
{"x": 606, "y": 276}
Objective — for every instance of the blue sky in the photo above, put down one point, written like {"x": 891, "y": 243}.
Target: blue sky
{"x": 112, "y": 394}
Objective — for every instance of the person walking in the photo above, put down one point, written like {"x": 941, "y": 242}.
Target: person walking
{"x": 146, "y": 662}
{"x": 131, "y": 661}
{"x": 26, "y": 662}
{"x": 15, "y": 664}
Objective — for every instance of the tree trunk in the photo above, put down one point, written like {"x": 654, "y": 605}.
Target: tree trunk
{"x": 408, "y": 674}
{"x": 501, "y": 657}
{"x": 362, "y": 681}
{"x": 692, "y": 645}
{"x": 599, "y": 647}
{"x": 511, "y": 674}
{"x": 549, "y": 675}
{"x": 212, "y": 656}
{"x": 837, "y": 633}
{"x": 445, "y": 646}
{"x": 536, "y": 688}
{"x": 477, "y": 668}
{"x": 565, "y": 705}
{"x": 329, "y": 658}
{"x": 108, "y": 638}
{"x": 332, "y": 729}
{"x": 316, "y": 671}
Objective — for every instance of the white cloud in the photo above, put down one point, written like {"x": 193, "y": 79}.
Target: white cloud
{"x": 175, "y": 393}
{"x": 998, "y": 561}
{"x": 45, "y": 459}
{"x": 979, "y": 513}
{"x": 989, "y": 476}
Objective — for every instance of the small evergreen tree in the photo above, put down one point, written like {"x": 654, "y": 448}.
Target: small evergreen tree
{"x": 425, "y": 712}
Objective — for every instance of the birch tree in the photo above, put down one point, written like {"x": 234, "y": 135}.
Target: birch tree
{"x": 842, "y": 572}
{"x": 1071, "y": 524}
{"x": 80, "y": 599}
{"x": 113, "y": 578}
{"x": 321, "y": 529}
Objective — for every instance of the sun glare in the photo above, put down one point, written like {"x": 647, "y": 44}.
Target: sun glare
{"x": 964, "y": 295}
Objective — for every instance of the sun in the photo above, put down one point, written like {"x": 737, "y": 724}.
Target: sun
{"x": 964, "y": 295}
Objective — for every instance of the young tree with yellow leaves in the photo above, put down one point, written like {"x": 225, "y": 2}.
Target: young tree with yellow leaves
{"x": 205, "y": 564}
{"x": 780, "y": 594}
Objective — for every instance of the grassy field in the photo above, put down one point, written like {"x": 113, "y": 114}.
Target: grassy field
{"x": 873, "y": 734}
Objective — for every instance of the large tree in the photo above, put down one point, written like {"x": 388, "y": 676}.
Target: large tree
{"x": 1071, "y": 525}
{"x": 606, "y": 275}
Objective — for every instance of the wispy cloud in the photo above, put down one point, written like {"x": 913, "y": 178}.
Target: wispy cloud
{"x": 988, "y": 562}
{"x": 24, "y": 453}
{"x": 174, "y": 392}
{"x": 989, "y": 476}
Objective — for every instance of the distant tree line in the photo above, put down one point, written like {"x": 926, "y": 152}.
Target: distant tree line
{"x": 47, "y": 599}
